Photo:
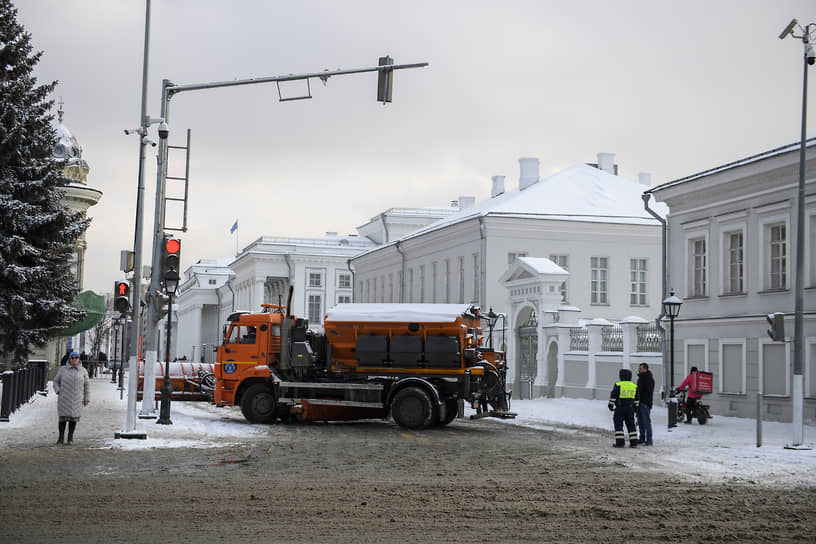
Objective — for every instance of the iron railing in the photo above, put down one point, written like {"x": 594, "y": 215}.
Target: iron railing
{"x": 612, "y": 338}
{"x": 19, "y": 385}
{"x": 579, "y": 340}
{"x": 648, "y": 338}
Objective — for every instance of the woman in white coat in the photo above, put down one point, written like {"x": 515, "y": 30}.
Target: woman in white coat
{"x": 73, "y": 389}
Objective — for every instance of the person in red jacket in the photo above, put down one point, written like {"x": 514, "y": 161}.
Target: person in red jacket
{"x": 691, "y": 399}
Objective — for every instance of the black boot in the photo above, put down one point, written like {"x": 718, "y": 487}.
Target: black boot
{"x": 61, "y": 427}
{"x": 71, "y": 427}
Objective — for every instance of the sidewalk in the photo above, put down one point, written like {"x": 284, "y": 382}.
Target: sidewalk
{"x": 195, "y": 423}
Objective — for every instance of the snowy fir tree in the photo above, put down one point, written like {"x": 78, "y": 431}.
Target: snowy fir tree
{"x": 38, "y": 233}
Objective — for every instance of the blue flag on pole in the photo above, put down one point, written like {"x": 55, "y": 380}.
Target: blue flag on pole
{"x": 234, "y": 227}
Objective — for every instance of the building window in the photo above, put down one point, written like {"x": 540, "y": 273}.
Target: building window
{"x": 343, "y": 299}
{"x": 699, "y": 267}
{"x": 732, "y": 360}
{"x": 461, "y": 280}
{"x": 447, "y": 282}
{"x": 422, "y": 283}
{"x": 390, "y": 287}
{"x": 315, "y": 279}
{"x": 563, "y": 262}
{"x": 315, "y": 309}
{"x": 433, "y": 282}
{"x": 637, "y": 273}
{"x": 476, "y": 281}
{"x": 735, "y": 267}
{"x": 774, "y": 368}
{"x": 211, "y": 282}
{"x": 599, "y": 282}
{"x": 778, "y": 256}
{"x": 344, "y": 281}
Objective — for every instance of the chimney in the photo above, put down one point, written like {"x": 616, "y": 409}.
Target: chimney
{"x": 528, "y": 172}
{"x": 606, "y": 162}
{"x": 466, "y": 202}
{"x": 645, "y": 178}
{"x": 498, "y": 186}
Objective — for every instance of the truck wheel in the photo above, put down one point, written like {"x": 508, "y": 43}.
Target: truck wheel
{"x": 258, "y": 404}
{"x": 412, "y": 408}
{"x": 451, "y": 411}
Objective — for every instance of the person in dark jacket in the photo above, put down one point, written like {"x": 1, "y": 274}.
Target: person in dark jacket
{"x": 64, "y": 360}
{"x": 623, "y": 401}
{"x": 645, "y": 391}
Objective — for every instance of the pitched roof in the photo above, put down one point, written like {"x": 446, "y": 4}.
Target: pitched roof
{"x": 579, "y": 193}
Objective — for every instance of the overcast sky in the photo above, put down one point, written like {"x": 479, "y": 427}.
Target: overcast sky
{"x": 670, "y": 88}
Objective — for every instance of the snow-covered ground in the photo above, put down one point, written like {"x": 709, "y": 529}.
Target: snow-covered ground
{"x": 724, "y": 449}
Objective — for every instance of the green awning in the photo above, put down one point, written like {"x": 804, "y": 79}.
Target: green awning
{"x": 94, "y": 306}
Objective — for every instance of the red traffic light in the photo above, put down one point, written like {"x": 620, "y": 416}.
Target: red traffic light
{"x": 172, "y": 246}
{"x": 122, "y": 288}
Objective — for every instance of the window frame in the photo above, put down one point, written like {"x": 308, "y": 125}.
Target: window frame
{"x": 642, "y": 297}
{"x": 761, "y": 376}
{"x": 692, "y": 236}
{"x": 605, "y": 281}
{"x": 766, "y": 224}
{"x": 720, "y": 349}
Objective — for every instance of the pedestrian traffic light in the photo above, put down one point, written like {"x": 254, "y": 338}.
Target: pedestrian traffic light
{"x": 121, "y": 297}
{"x": 385, "y": 80}
{"x": 777, "y": 329}
{"x": 171, "y": 261}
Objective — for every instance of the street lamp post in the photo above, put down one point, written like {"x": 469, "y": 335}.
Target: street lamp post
{"x": 809, "y": 58}
{"x": 115, "y": 354}
{"x": 671, "y": 309}
{"x": 171, "y": 281}
{"x": 123, "y": 341}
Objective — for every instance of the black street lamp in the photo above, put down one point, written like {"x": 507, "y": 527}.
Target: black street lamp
{"x": 671, "y": 308}
{"x": 171, "y": 281}
{"x": 115, "y": 354}
{"x": 123, "y": 341}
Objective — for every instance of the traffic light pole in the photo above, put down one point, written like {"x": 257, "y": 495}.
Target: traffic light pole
{"x": 168, "y": 91}
{"x": 154, "y": 288}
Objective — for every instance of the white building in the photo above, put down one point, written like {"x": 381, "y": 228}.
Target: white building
{"x": 586, "y": 219}
{"x": 731, "y": 255}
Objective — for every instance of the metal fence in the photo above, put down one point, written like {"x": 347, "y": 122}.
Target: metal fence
{"x": 579, "y": 339}
{"x": 612, "y": 339}
{"x": 19, "y": 385}
{"x": 648, "y": 339}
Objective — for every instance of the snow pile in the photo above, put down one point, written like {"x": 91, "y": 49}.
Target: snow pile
{"x": 722, "y": 450}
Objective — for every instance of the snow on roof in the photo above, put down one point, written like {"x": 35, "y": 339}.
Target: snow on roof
{"x": 735, "y": 164}
{"x": 579, "y": 193}
{"x": 427, "y": 313}
{"x": 542, "y": 265}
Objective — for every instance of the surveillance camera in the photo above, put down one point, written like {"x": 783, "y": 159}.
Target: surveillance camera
{"x": 810, "y": 55}
{"x": 164, "y": 130}
{"x": 788, "y": 29}
{"x": 148, "y": 141}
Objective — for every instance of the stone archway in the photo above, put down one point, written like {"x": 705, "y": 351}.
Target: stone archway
{"x": 526, "y": 352}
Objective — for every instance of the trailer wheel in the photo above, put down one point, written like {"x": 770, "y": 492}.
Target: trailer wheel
{"x": 258, "y": 404}
{"x": 412, "y": 408}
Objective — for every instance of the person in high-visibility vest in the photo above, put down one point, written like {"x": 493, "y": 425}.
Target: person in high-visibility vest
{"x": 623, "y": 400}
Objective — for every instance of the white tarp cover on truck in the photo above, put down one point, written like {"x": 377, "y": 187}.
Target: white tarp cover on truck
{"x": 418, "y": 313}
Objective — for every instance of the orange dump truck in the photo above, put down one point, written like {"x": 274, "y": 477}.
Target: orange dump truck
{"x": 417, "y": 362}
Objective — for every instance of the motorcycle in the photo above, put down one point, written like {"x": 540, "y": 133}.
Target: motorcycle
{"x": 700, "y": 410}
